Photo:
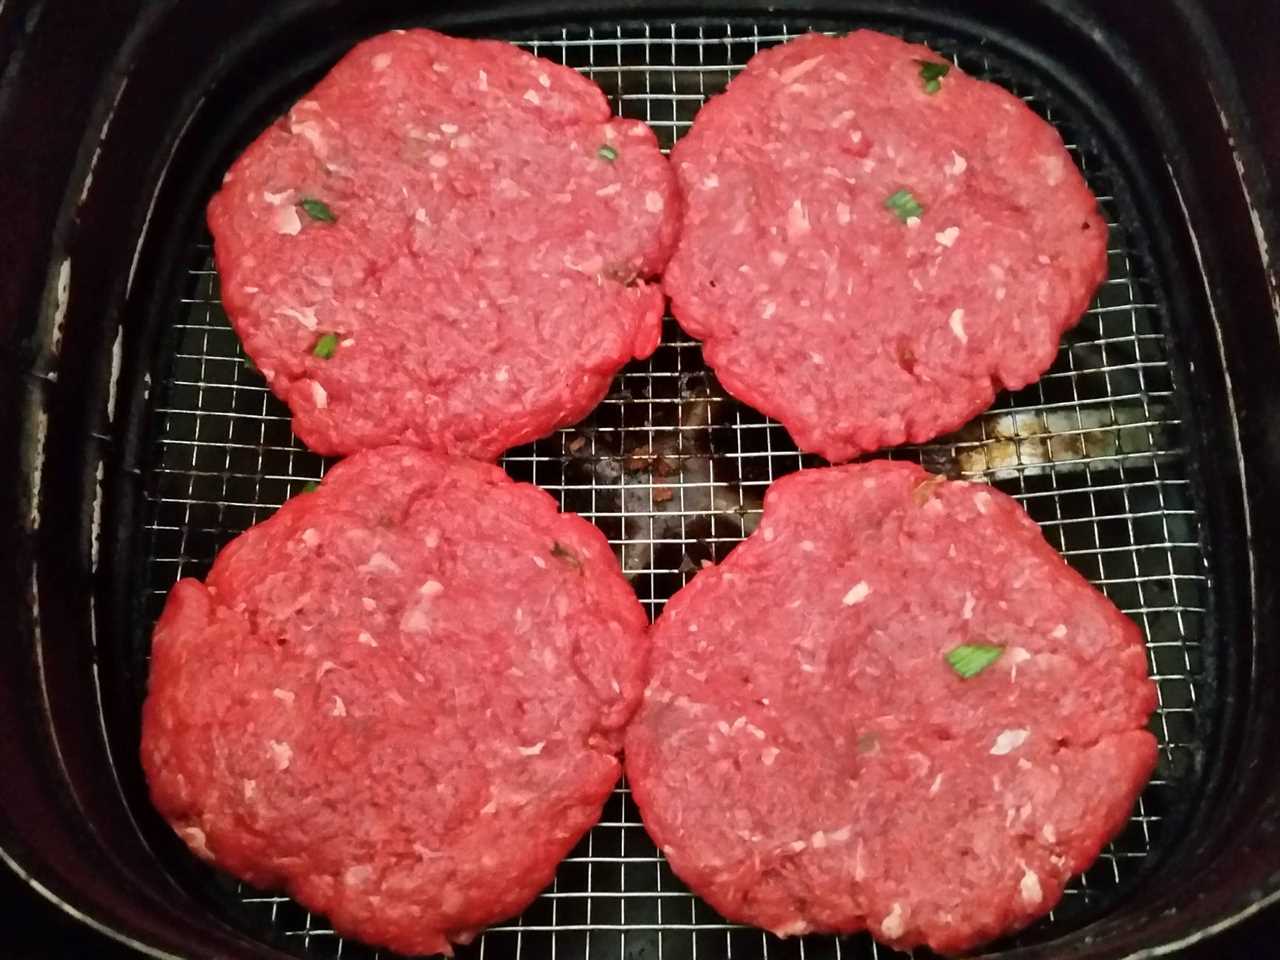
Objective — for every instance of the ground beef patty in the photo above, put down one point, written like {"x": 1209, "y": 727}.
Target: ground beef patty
{"x": 869, "y": 249}
{"x": 807, "y": 756}
{"x": 400, "y": 698}
{"x": 444, "y": 244}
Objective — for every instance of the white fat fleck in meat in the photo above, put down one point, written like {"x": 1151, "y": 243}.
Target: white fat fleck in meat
{"x": 275, "y": 199}
{"x": 287, "y": 696}
{"x": 449, "y": 128}
{"x": 532, "y": 97}
{"x": 892, "y": 925}
{"x": 609, "y": 190}
{"x": 538, "y": 562}
{"x": 533, "y": 750}
{"x": 983, "y": 502}
{"x": 843, "y": 214}
{"x": 195, "y": 839}
{"x": 797, "y": 845}
{"x": 1015, "y": 656}
{"x": 248, "y": 786}
{"x": 777, "y": 257}
{"x": 791, "y": 74}
{"x": 286, "y": 221}
{"x": 482, "y": 80}
{"x": 843, "y": 117}
{"x": 319, "y": 396}
{"x": 354, "y": 876}
{"x": 311, "y": 537}
{"x": 769, "y": 309}
{"x": 1059, "y": 631}
{"x": 948, "y": 236}
{"x": 1000, "y": 293}
{"x": 310, "y": 131}
{"x": 653, "y": 201}
{"x": 432, "y": 588}
{"x": 339, "y": 708}
{"x": 366, "y": 639}
{"x": 710, "y": 182}
{"x": 281, "y": 753}
{"x": 379, "y": 562}
{"x": 935, "y": 786}
{"x": 841, "y": 835}
{"x": 381, "y": 62}
{"x": 818, "y": 841}
{"x": 857, "y": 593}
{"x": 956, "y": 322}
{"x": 913, "y": 223}
{"x": 438, "y": 160}
{"x": 807, "y": 546}
{"x": 1029, "y": 887}
{"x": 957, "y": 166}
{"x": 1049, "y": 833}
{"x": 369, "y": 603}
{"x": 969, "y": 603}
{"x": 304, "y": 315}
{"x": 489, "y": 808}
{"x": 797, "y": 220}
{"x": 1008, "y": 741}
{"x": 325, "y": 668}
{"x": 768, "y": 755}
{"x": 817, "y": 358}
{"x": 1052, "y": 167}
{"x": 544, "y": 80}
{"x": 248, "y": 289}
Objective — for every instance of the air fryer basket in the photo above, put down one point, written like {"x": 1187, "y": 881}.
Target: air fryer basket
{"x": 148, "y": 443}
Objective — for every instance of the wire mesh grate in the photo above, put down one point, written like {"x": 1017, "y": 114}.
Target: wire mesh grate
{"x": 673, "y": 471}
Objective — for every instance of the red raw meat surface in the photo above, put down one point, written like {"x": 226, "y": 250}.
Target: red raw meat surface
{"x": 400, "y": 698}
{"x": 482, "y": 278}
{"x": 807, "y": 758}
{"x": 854, "y": 327}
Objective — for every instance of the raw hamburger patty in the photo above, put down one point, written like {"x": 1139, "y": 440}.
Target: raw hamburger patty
{"x": 444, "y": 244}
{"x": 401, "y": 697}
{"x": 808, "y": 759}
{"x": 823, "y": 296}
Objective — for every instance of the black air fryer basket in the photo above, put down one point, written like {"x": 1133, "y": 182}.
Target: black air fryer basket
{"x": 139, "y": 440}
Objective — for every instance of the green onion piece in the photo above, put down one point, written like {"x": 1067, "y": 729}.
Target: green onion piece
{"x": 931, "y": 74}
{"x": 903, "y": 205}
{"x": 607, "y": 153}
{"x": 326, "y": 346}
{"x": 311, "y": 487}
{"x": 317, "y": 210}
{"x": 970, "y": 659}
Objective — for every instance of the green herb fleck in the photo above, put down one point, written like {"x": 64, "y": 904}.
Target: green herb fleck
{"x": 903, "y": 205}
{"x": 931, "y": 74}
{"x": 970, "y": 659}
{"x": 248, "y": 364}
{"x": 326, "y": 346}
{"x": 607, "y": 153}
{"x": 317, "y": 210}
{"x": 311, "y": 487}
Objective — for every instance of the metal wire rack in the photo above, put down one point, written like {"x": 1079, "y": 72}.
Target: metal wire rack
{"x": 673, "y": 471}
